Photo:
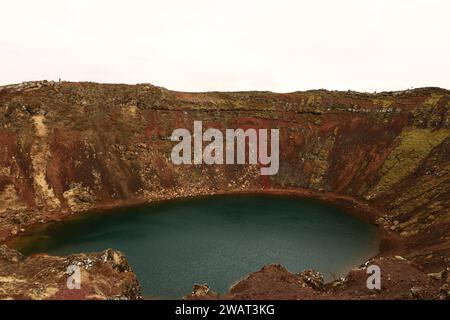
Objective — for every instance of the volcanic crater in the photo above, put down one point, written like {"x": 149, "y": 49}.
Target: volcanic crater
{"x": 69, "y": 149}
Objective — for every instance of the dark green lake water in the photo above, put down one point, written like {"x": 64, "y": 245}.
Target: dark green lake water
{"x": 217, "y": 240}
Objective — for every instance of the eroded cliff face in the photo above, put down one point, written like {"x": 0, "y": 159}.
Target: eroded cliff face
{"x": 68, "y": 148}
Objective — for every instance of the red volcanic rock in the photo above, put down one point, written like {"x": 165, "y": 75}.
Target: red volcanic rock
{"x": 272, "y": 282}
{"x": 400, "y": 279}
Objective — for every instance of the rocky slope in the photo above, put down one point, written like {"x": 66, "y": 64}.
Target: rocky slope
{"x": 67, "y": 148}
{"x": 103, "y": 275}
{"x": 400, "y": 279}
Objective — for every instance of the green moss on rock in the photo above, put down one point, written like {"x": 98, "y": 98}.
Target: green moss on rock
{"x": 413, "y": 146}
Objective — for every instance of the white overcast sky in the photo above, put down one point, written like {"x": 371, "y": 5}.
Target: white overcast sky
{"x": 202, "y": 45}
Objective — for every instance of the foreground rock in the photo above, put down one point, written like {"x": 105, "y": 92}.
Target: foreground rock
{"x": 104, "y": 275}
{"x": 400, "y": 279}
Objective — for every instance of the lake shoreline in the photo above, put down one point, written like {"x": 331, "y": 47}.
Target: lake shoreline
{"x": 358, "y": 209}
{"x": 251, "y": 230}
